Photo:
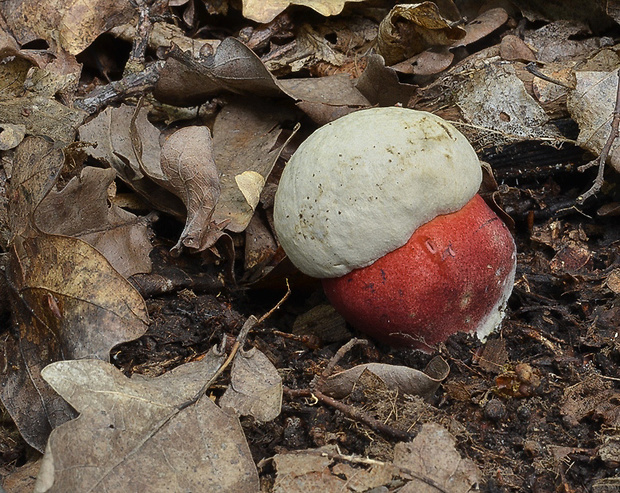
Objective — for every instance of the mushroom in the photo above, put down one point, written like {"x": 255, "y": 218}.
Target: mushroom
{"x": 382, "y": 205}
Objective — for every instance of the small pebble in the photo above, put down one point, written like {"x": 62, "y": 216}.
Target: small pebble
{"x": 494, "y": 410}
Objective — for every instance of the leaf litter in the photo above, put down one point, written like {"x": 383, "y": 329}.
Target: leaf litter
{"x": 210, "y": 166}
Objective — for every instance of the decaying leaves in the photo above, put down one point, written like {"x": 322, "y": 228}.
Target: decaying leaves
{"x": 591, "y": 105}
{"x": 69, "y": 302}
{"x": 266, "y": 11}
{"x": 188, "y": 170}
{"x": 135, "y": 435}
{"x": 245, "y": 136}
{"x": 402, "y": 378}
{"x": 255, "y": 387}
{"x": 432, "y": 458}
{"x": 81, "y": 210}
{"x": 72, "y": 26}
{"x": 412, "y": 28}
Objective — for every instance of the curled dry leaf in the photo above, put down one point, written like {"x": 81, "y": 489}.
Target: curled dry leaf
{"x": 188, "y": 170}
{"x": 81, "y": 210}
{"x": 264, "y": 11}
{"x": 255, "y": 387}
{"x": 409, "y": 29}
{"x": 189, "y": 79}
{"x": 115, "y": 137}
{"x": 140, "y": 431}
{"x": 402, "y": 378}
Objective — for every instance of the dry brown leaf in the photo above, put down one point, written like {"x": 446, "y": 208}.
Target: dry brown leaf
{"x": 42, "y": 116}
{"x": 188, "y": 170}
{"x": 591, "y": 105}
{"x": 188, "y": 79}
{"x": 309, "y": 470}
{"x": 402, "y": 378}
{"x": 432, "y": 455}
{"x": 495, "y": 98}
{"x": 134, "y": 435}
{"x": 244, "y": 139}
{"x": 36, "y": 166}
{"x": 70, "y": 25}
{"x": 266, "y": 10}
{"x": 81, "y": 210}
{"x": 255, "y": 387}
{"x": 11, "y": 135}
{"x": 483, "y": 25}
{"x": 128, "y": 142}
{"x": 69, "y": 302}
{"x": 260, "y": 245}
{"x": 409, "y": 29}
{"x": 380, "y": 84}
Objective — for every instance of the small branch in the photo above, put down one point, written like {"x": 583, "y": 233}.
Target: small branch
{"x": 352, "y": 413}
{"x": 533, "y": 69}
{"x": 119, "y": 90}
{"x": 600, "y": 161}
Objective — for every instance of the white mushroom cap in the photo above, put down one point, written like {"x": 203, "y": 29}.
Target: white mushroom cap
{"x": 359, "y": 187}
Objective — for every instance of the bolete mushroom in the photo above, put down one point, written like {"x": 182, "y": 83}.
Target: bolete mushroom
{"x": 382, "y": 205}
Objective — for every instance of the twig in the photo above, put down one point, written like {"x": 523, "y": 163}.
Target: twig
{"x": 318, "y": 380}
{"x": 352, "y": 413}
{"x": 533, "y": 69}
{"x": 373, "y": 462}
{"x": 600, "y": 161}
{"x": 132, "y": 85}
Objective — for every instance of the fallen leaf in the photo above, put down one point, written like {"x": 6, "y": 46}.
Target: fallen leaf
{"x": 189, "y": 79}
{"x": 264, "y": 11}
{"x": 36, "y": 166}
{"x": 136, "y": 435}
{"x": 433, "y": 458}
{"x": 188, "y": 170}
{"x": 69, "y": 302}
{"x": 71, "y": 25}
{"x": 245, "y": 134}
{"x": 110, "y": 135}
{"x": 255, "y": 387}
{"x": 312, "y": 470}
{"x": 402, "y": 378}
{"x": 409, "y": 29}
{"x": 483, "y": 25}
{"x": 42, "y": 116}
{"x": 381, "y": 86}
{"x": 591, "y": 105}
{"x": 81, "y": 210}
{"x": 11, "y": 135}
{"x": 495, "y": 98}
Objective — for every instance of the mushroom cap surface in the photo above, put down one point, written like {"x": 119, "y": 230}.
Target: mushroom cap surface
{"x": 455, "y": 274}
{"x": 359, "y": 187}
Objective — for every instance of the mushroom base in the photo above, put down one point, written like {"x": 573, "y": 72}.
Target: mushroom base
{"x": 455, "y": 274}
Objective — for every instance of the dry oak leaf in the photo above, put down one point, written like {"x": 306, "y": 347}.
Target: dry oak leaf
{"x": 266, "y": 10}
{"x": 255, "y": 387}
{"x": 409, "y": 29}
{"x": 245, "y": 137}
{"x": 72, "y": 25}
{"x": 69, "y": 302}
{"x": 188, "y": 170}
{"x": 82, "y": 210}
{"x": 138, "y": 434}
